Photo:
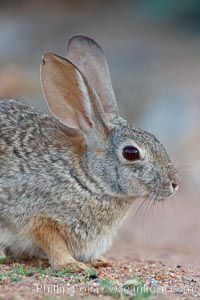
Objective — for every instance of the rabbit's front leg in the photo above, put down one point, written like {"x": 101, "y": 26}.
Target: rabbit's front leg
{"x": 100, "y": 262}
{"x": 47, "y": 235}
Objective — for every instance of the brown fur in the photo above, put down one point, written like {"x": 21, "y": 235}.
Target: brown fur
{"x": 47, "y": 235}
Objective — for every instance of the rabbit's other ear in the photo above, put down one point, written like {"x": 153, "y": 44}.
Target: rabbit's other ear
{"x": 68, "y": 94}
{"x": 89, "y": 58}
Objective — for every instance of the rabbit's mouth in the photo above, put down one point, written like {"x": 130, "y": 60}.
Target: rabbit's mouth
{"x": 164, "y": 190}
{"x": 166, "y": 193}
{"x": 168, "y": 186}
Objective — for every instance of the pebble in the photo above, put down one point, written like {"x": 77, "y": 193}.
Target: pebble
{"x": 132, "y": 282}
{"x": 179, "y": 266}
{"x": 184, "y": 271}
{"x": 93, "y": 276}
{"x": 152, "y": 282}
{"x": 30, "y": 274}
{"x": 172, "y": 275}
{"x": 162, "y": 276}
{"x": 179, "y": 292}
{"x": 189, "y": 278}
{"x": 96, "y": 284}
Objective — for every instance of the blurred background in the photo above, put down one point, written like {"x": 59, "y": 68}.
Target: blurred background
{"x": 153, "y": 50}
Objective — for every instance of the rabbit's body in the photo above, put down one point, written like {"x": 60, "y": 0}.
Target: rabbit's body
{"x": 68, "y": 181}
{"x": 38, "y": 178}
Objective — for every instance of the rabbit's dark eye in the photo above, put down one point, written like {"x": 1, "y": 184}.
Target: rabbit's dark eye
{"x": 131, "y": 153}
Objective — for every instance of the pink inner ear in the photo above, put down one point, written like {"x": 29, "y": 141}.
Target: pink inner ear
{"x": 89, "y": 58}
{"x": 65, "y": 91}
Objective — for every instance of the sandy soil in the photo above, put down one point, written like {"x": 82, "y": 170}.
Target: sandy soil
{"x": 121, "y": 279}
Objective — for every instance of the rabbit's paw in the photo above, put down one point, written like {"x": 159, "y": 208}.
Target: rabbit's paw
{"x": 76, "y": 267}
{"x": 71, "y": 266}
{"x": 101, "y": 262}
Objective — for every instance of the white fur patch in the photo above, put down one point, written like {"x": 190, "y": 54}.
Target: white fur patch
{"x": 19, "y": 244}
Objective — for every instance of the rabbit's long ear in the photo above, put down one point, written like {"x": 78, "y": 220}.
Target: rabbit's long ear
{"x": 67, "y": 93}
{"x": 89, "y": 58}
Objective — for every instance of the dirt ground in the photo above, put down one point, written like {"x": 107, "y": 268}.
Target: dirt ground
{"x": 120, "y": 280}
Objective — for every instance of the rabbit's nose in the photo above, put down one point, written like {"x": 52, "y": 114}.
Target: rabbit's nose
{"x": 175, "y": 186}
{"x": 175, "y": 182}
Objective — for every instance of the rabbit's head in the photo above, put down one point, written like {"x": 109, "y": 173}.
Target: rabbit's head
{"x": 118, "y": 158}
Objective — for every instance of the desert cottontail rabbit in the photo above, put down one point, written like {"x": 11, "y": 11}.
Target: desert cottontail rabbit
{"x": 67, "y": 181}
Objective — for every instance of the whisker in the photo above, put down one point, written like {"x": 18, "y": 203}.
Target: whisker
{"x": 146, "y": 211}
{"x": 138, "y": 211}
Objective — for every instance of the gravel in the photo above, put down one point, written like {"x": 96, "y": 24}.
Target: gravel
{"x": 36, "y": 281}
